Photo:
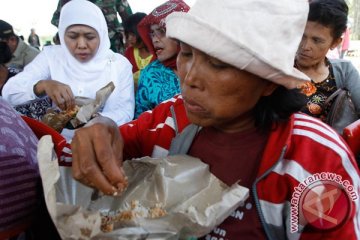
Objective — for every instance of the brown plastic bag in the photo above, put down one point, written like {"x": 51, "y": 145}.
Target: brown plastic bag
{"x": 342, "y": 111}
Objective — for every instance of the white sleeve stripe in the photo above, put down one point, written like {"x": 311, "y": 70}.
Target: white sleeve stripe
{"x": 272, "y": 211}
{"x": 335, "y": 147}
{"x": 315, "y": 121}
{"x": 169, "y": 121}
{"x": 291, "y": 168}
{"x": 346, "y": 164}
{"x": 321, "y": 128}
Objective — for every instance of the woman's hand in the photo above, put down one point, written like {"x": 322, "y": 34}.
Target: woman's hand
{"x": 59, "y": 93}
{"x": 97, "y": 156}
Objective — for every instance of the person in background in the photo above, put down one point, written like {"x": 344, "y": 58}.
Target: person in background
{"x": 22, "y": 54}
{"x": 34, "y": 39}
{"x": 56, "y": 39}
{"x": 158, "y": 81}
{"x": 81, "y": 65}
{"x": 136, "y": 52}
{"x": 19, "y": 175}
{"x": 326, "y": 24}
{"x": 238, "y": 113}
{"x": 345, "y": 42}
{"x": 110, "y": 9}
{"x": 5, "y": 72}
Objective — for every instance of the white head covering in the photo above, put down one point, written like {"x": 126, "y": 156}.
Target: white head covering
{"x": 86, "y": 13}
{"x": 259, "y": 36}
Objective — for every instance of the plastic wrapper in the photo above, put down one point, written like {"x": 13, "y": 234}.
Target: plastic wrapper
{"x": 194, "y": 199}
{"x": 85, "y": 108}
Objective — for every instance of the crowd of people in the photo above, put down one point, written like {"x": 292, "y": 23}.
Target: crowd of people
{"x": 210, "y": 81}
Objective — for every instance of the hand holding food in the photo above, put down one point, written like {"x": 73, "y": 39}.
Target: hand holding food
{"x": 101, "y": 167}
{"x": 59, "y": 93}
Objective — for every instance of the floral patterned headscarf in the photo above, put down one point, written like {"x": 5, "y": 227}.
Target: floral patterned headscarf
{"x": 157, "y": 16}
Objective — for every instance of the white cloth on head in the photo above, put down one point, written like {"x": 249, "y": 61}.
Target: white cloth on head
{"x": 258, "y": 36}
{"x": 86, "y": 13}
{"x": 56, "y": 63}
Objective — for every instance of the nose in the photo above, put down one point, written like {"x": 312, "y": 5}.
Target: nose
{"x": 154, "y": 39}
{"x": 81, "y": 42}
{"x": 305, "y": 44}
{"x": 193, "y": 73}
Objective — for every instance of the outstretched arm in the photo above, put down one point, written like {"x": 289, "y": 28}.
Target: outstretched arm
{"x": 97, "y": 151}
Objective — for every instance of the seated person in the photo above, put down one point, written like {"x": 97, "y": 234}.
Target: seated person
{"x": 327, "y": 21}
{"x": 111, "y": 9}
{"x": 5, "y": 72}
{"x": 158, "y": 81}
{"x": 238, "y": 113}
{"x": 19, "y": 173}
{"x": 22, "y": 54}
{"x": 82, "y": 64}
{"x": 136, "y": 51}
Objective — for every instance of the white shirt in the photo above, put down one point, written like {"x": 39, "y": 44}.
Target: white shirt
{"x": 49, "y": 65}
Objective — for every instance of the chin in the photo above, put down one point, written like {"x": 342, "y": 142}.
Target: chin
{"x": 203, "y": 122}
{"x": 83, "y": 60}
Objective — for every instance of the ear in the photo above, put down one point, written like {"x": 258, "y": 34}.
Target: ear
{"x": 335, "y": 43}
{"x": 269, "y": 88}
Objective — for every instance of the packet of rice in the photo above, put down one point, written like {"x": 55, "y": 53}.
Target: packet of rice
{"x": 174, "y": 197}
{"x": 84, "y": 109}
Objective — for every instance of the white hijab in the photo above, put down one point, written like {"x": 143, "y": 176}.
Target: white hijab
{"x": 86, "y": 13}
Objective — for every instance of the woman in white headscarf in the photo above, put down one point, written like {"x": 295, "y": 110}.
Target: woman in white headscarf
{"x": 80, "y": 66}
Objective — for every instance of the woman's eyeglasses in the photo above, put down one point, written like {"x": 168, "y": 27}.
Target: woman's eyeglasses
{"x": 159, "y": 33}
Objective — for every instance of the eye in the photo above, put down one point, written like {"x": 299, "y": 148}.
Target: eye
{"x": 186, "y": 53}
{"x": 218, "y": 64}
{"x": 90, "y": 37}
{"x": 318, "y": 40}
{"x": 185, "y": 50}
{"x": 162, "y": 31}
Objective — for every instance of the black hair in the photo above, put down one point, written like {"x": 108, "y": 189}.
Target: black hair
{"x": 278, "y": 107}
{"x": 5, "y": 53}
{"x": 330, "y": 13}
{"x": 130, "y": 24}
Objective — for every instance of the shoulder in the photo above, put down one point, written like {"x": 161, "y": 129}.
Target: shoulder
{"x": 52, "y": 52}
{"x": 150, "y": 68}
{"x": 129, "y": 51}
{"x": 120, "y": 59}
{"x": 317, "y": 145}
{"x": 15, "y": 131}
{"x": 312, "y": 128}
{"x": 341, "y": 64}
{"x": 23, "y": 47}
{"x": 170, "y": 112}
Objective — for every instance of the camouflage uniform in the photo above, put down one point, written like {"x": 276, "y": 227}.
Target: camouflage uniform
{"x": 110, "y": 8}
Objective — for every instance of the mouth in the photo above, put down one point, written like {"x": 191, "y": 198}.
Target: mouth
{"x": 82, "y": 56}
{"x": 193, "y": 107}
{"x": 301, "y": 55}
{"x": 158, "y": 50}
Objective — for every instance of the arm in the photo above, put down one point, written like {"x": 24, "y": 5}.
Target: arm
{"x": 19, "y": 89}
{"x": 352, "y": 79}
{"x": 123, "y": 8}
{"x": 99, "y": 148}
{"x": 37, "y": 77}
{"x": 347, "y": 76}
{"x": 56, "y": 14}
{"x": 120, "y": 105}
